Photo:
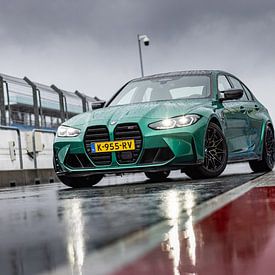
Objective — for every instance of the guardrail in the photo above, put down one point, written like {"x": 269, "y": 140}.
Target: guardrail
{"x": 19, "y": 141}
{"x": 34, "y": 145}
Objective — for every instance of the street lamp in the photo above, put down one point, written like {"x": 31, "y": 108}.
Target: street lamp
{"x": 146, "y": 41}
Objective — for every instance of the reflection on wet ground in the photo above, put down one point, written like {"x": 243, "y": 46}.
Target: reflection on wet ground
{"x": 237, "y": 239}
{"x": 43, "y": 227}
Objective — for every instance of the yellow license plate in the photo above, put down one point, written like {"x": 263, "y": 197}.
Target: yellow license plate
{"x": 113, "y": 146}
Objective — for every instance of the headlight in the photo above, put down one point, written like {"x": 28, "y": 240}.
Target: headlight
{"x": 174, "y": 122}
{"x": 65, "y": 131}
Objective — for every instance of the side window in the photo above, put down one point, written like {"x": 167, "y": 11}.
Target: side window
{"x": 223, "y": 83}
{"x": 237, "y": 84}
{"x": 248, "y": 93}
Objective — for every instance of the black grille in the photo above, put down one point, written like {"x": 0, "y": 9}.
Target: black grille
{"x": 128, "y": 131}
{"x": 97, "y": 134}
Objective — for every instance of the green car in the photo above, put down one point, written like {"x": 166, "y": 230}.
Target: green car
{"x": 195, "y": 121}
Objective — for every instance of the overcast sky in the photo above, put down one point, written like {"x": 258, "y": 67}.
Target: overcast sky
{"x": 91, "y": 45}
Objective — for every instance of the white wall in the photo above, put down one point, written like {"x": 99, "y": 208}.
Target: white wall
{"x": 44, "y": 157}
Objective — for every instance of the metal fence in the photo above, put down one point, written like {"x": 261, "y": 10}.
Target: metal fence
{"x": 24, "y": 102}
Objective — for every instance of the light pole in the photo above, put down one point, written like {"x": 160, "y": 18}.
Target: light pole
{"x": 146, "y": 41}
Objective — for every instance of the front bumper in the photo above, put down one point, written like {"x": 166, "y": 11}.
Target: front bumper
{"x": 160, "y": 150}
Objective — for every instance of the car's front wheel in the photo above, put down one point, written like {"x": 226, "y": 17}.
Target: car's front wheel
{"x": 268, "y": 157}
{"x": 216, "y": 154}
{"x": 80, "y": 182}
{"x": 158, "y": 175}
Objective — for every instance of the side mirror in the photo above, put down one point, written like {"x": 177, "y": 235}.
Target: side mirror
{"x": 98, "y": 105}
{"x": 231, "y": 94}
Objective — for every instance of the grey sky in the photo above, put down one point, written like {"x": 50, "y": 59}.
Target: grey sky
{"x": 91, "y": 45}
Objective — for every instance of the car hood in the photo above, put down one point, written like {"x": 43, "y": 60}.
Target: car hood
{"x": 155, "y": 110}
{"x": 150, "y": 110}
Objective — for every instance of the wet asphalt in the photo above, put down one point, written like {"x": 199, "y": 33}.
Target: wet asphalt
{"x": 43, "y": 227}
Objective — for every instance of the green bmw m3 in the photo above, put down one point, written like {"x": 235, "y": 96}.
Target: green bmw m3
{"x": 195, "y": 121}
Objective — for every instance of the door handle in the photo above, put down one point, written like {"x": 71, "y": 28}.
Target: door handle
{"x": 257, "y": 108}
{"x": 242, "y": 109}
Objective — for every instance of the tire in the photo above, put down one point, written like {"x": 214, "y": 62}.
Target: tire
{"x": 157, "y": 176}
{"x": 216, "y": 155}
{"x": 268, "y": 154}
{"x": 80, "y": 182}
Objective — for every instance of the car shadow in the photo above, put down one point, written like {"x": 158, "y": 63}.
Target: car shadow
{"x": 145, "y": 186}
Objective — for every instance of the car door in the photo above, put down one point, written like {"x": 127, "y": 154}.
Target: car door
{"x": 235, "y": 122}
{"x": 251, "y": 110}
{"x": 255, "y": 120}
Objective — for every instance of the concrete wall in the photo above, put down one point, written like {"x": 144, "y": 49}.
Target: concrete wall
{"x": 27, "y": 177}
{"x": 44, "y": 145}
{"x": 10, "y": 172}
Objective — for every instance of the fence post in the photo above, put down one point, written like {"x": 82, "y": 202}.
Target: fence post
{"x": 2, "y": 102}
{"x": 61, "y": 102}
{"x": 35, "y": 102}
{"x": 83, "y": 99}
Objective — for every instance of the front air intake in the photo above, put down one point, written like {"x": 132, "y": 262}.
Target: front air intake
{"x": 56, "y": 163}
{"x": 77, "y": 161}
{"x": 156, "y": 155}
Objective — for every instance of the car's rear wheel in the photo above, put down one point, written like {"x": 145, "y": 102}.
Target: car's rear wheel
{"x": 80, "y": 182}
{"x": 216, "y": 154}
{"x": 268, "y": 157}
{"x": 158, "y": 175}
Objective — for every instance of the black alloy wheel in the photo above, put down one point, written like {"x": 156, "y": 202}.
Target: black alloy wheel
{"x": 216, "y": 155}
{"x": 268, "y": 156}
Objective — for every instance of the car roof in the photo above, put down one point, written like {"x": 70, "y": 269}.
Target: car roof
{"x": 179, "y": 73}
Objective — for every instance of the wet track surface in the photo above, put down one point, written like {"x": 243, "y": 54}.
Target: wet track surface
{"x": 44, "y": 227}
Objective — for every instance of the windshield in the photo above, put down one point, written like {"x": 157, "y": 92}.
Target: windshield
{"x": 163, "y": 88}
